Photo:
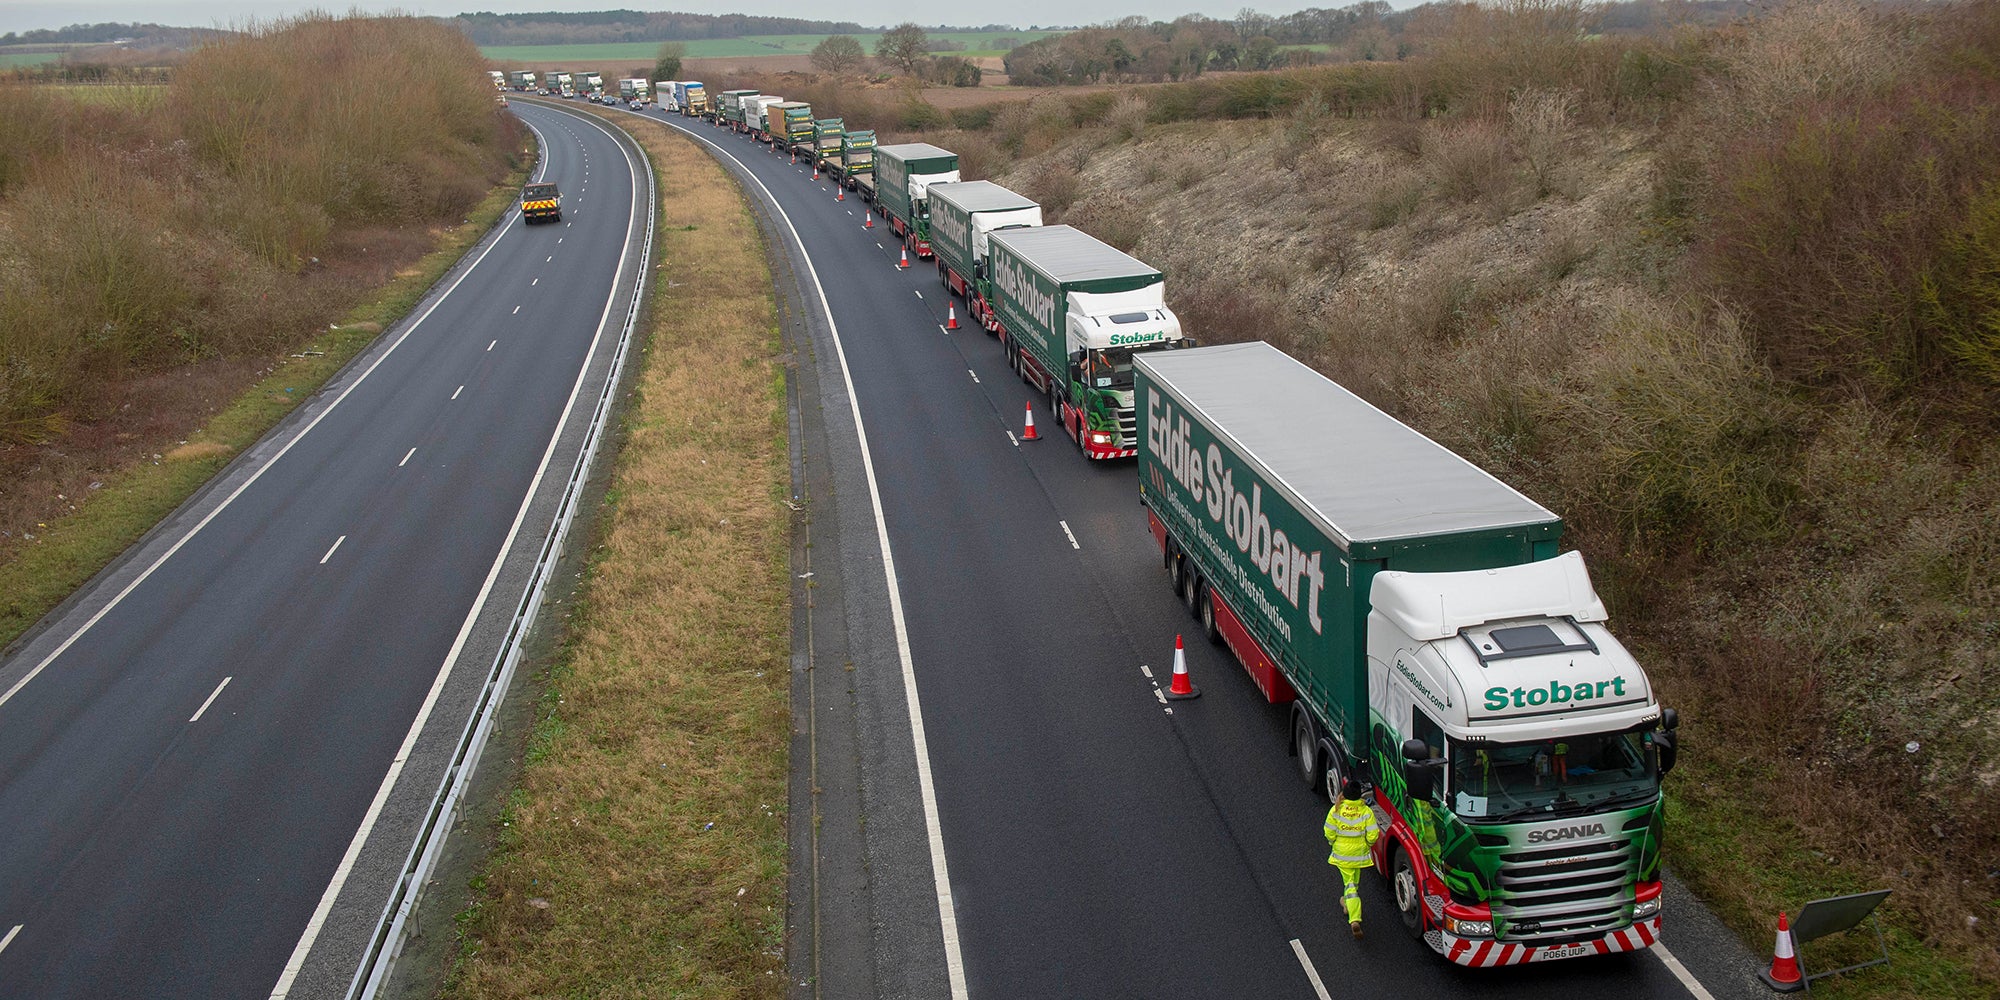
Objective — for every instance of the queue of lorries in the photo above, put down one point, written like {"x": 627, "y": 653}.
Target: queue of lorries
{"x": 1417, "y": 614}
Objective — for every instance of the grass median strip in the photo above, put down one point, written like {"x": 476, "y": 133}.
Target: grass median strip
{"x": 642, "y": 853}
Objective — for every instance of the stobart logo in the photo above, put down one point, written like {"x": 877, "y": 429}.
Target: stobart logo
{"x": 1022, "y": 289}
{"x": 949, "y": 223}
{"x": 1127, "y": 339}
{"x": 1211, "y": 488}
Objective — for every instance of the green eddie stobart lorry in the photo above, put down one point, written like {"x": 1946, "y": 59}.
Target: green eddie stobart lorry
{"x": 857, "y": 162}
{"x": 1074, "y": 313}
{"x": 903, "y": 176}
{"x": 963, "y": 216}
{"x": 1417, "y": 616}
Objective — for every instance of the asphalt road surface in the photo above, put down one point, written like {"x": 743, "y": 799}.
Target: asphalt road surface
{"x": 213, "y": 759}
{"x": 1098, "y": 842}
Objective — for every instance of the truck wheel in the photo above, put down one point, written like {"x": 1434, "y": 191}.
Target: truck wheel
{"x": 1336, "y": 769}
{"x": 1305, "y": 747}
{"x": 1409, "y": 895}
{"x": 1191, "y": 592}
{"x": 1208, "y": 629}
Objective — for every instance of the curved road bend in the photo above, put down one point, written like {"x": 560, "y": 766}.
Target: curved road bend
{"x": 193, "y": 751}
{"x": 1097, "y": 844}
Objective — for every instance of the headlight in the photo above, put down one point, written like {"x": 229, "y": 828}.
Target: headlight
{"x": 1645, "y": 908}
{"x": 1468, "y": 928}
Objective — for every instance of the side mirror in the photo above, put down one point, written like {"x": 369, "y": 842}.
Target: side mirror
{"x": 1420, "y": 770}
{"x": 1668, "y": 740}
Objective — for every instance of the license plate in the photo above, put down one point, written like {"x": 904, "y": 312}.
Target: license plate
{"x": 1564, "y": 951}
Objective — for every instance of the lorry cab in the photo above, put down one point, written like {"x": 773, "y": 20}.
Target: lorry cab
{"x": 1518, "y": 742}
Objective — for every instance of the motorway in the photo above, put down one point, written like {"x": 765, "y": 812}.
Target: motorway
{"x": 1044, "y": 825}
{"x": 213, "y": 759}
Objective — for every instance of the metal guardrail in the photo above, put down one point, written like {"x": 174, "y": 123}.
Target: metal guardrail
{"x": 391, "y": 929}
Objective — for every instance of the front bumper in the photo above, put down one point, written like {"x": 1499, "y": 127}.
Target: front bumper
{"x": 1485, "y": 953}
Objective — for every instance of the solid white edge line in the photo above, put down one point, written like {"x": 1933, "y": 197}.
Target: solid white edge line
{"x": 1311, "y": 973}
{"x": 119, "y": 598}
{"x": 329, "y": 552}
{"x": 212, "y": 695}
{"x": 947, "y": 910}
{"x": 9, "y": 939}
{"x": 1681, "y": 972}
{"x": 346, "y": 866}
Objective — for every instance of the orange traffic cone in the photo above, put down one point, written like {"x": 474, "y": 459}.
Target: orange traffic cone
{"x": 951, "y": 316}
{"x": 839, "y": 191}
{"x": 1182, "y": 687}
{"x": 815, "y": 170}
{"x": 903, "y": 260}
{"x": 1784, "y": 974}
{"x": 1029, "y": 434}
{"x": 867, "y": 218}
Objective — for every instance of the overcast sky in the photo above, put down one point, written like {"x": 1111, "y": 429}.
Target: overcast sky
{"x": 27, "y": 15}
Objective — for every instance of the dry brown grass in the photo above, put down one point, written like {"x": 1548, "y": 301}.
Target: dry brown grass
{"x": 643, "y": 854}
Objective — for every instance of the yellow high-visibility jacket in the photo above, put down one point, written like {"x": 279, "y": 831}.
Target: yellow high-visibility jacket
{"x": 1350, "y": 831}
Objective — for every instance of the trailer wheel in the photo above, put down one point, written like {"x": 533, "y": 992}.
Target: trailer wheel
{"x": 1191, "y": 591}
{"x": 1409, "y": 895}
{"x": 1335, "y": 771}
{"x": 1208, "y": 629}
{"x": 1305, "y": 747}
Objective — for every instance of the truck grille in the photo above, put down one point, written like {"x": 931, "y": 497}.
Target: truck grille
{"x": 1567, "y": 891}
{"x": 1128, "y": 428}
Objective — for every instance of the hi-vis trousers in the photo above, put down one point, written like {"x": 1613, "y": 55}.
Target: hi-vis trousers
{"x": 1350, "y": 889}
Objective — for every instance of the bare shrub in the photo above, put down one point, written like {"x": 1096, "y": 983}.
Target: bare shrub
{"x": 1539, "y": 121}
{"x": 1678, "y": 429}
{"x": 1565, "y": 250}
{"x": 1215, "y": 310}
{"x": 1125, "y": 121}
{"x": 1054, "y": 185}
{"x": 1468, "y": 161}
{"x": 1303, "y": 129}
{"x": 1115, "y": 218}
{"x": 1027, "y": 128}
{"x": 1389, "y": 197}
{"x": 1189, "y": 169}
{"x": 1808, "y": 51}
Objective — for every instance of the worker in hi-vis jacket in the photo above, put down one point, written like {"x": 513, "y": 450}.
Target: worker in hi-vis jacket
{"x": 1350, "y": 832}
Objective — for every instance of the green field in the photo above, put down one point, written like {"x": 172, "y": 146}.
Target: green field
{"x": 977, "y": 42}
{"x": 139, "y": 97}
{"x": 13, "y": 60}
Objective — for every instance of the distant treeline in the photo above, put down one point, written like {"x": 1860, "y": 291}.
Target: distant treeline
{"x": 148, "y": 35}
{"x": 1134, "y": 49}
{"x": 553, "y": 28}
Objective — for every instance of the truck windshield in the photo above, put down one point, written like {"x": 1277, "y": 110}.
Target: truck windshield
{"x": 535, "y": 191}
{"x": 1501, "y": 781}
{"x": 1110, "y": 368}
